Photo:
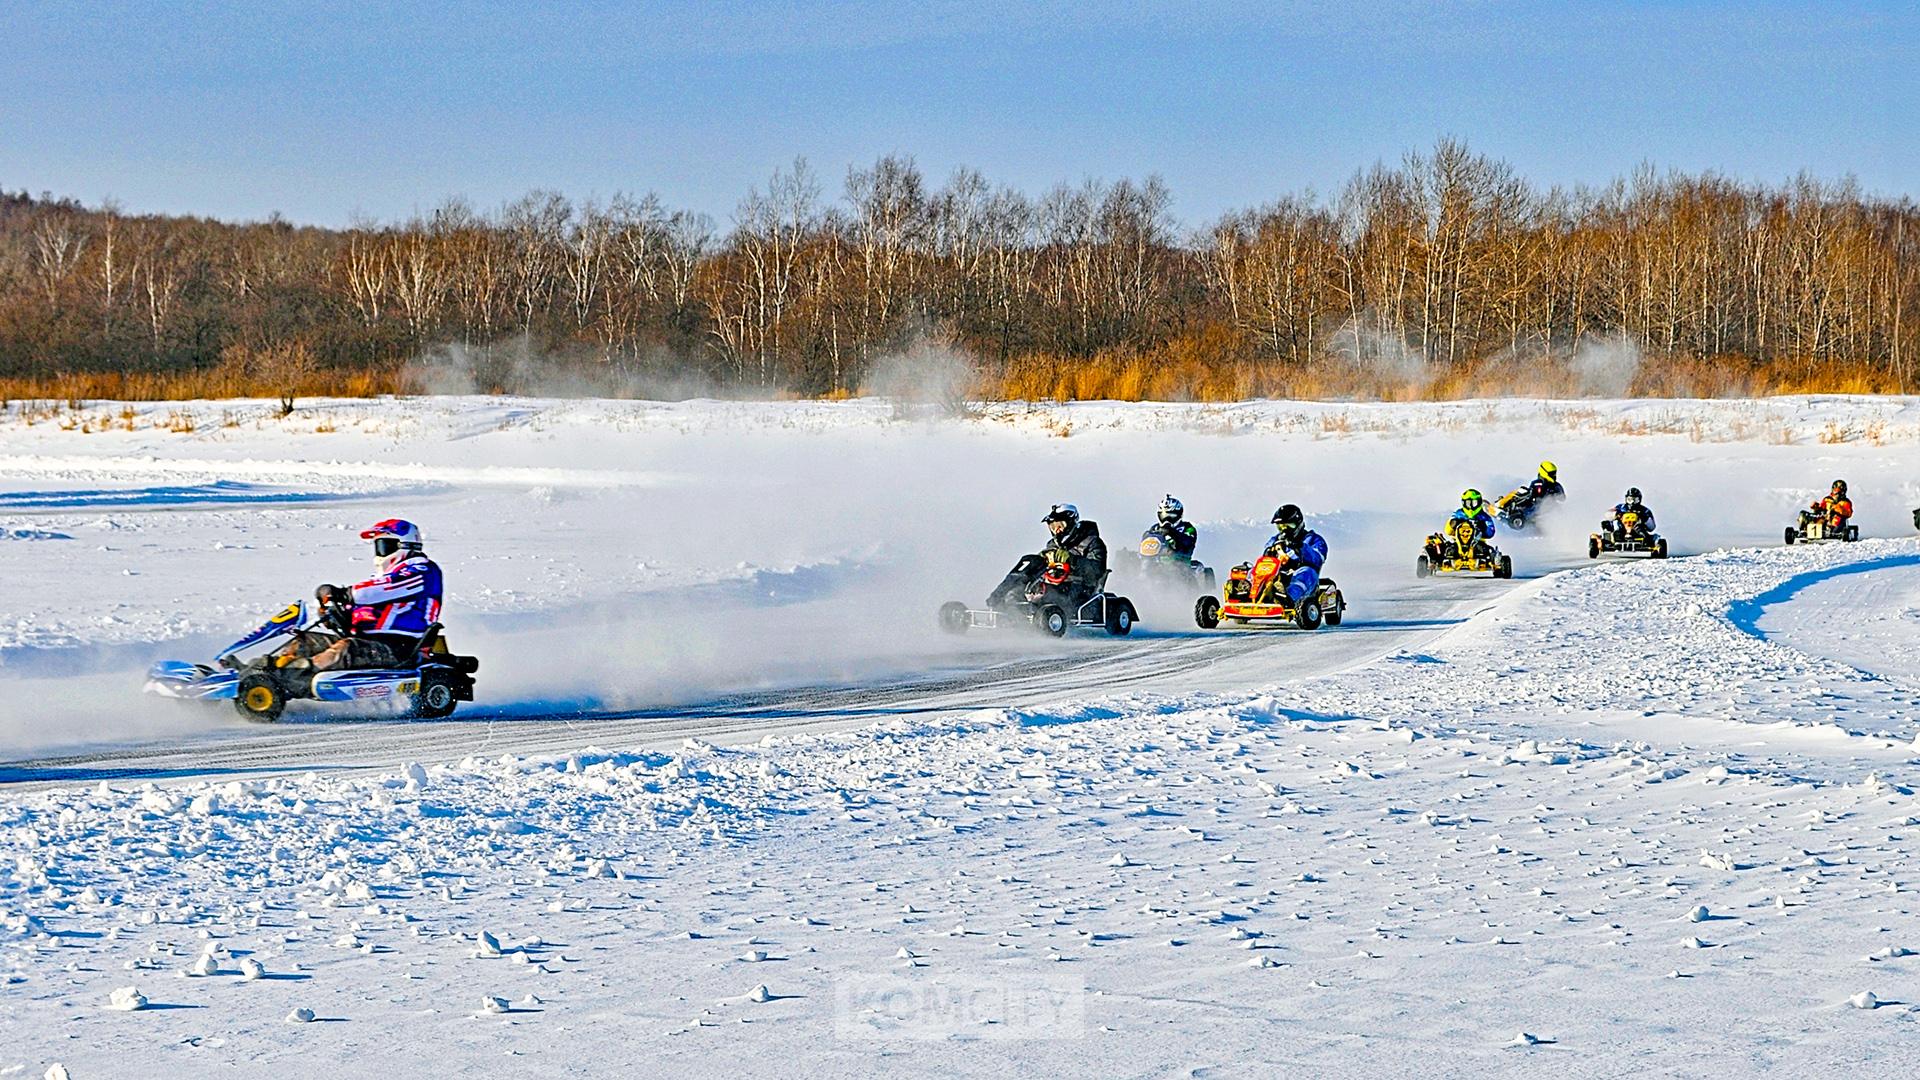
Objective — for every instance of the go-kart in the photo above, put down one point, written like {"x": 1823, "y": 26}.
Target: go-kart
{"x": 1516, "y": 509}
{"x": 1256, "y": 593}
{"x": 1817, "y": 530}
{"x": 1458, "y": 549}
{"x": 1160, "y": 564}
{"x": 1046, "y": 606}
{"x": 1629, "y": 537}
{"x": 428, "y": 685}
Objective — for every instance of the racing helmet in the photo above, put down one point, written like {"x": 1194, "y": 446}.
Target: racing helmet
{"x": 392, "y": 535}
{"x": 1632, "y": 497}
{"x": 1065, "y": 513}
{"x": 1840, "y": 488}
{"x": 1170, "y": 510}
{"x": 1470, "y": 500}
{"x": 1549, "y": 471}
{"x": 1289, "y": 521}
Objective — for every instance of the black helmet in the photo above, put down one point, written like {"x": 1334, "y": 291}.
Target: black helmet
{"x": 1633, "y": 496}
{"x": 1170, "y": 510}
{"x": 1839, "y": 487}
{"x": 1066, "y": 512}
{"x": 1289, "y": 520}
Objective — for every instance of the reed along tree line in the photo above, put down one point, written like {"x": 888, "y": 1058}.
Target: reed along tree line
{"x": 1443, "y": 274}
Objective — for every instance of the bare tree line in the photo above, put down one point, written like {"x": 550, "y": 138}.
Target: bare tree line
{"x": 1446, "y": 257}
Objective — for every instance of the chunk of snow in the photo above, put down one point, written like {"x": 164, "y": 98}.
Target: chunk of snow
{"x": 300, "y": 1016}
{"x": 127, "y": 999}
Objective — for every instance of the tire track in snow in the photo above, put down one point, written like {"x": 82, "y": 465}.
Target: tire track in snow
{"x": 1225, "y": 662}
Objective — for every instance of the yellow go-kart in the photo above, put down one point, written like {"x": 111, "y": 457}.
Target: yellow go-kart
{"x": 1458, "y": 549}
{"x": 1630, "y": 537}
{"x": 1256, "y": 593}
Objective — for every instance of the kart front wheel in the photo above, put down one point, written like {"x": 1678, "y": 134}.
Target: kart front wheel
{"x": 953, "y": 617}
{"x": 1052, "y": 620}
{"x": 1792, "y": 535}
{"x": 1660, "y": 548}
{"x": 1593, "y": 547}
{"x": 1119, "y": 617}
{"x": 1332, "y": 613}
{"x": 1206, "y": 612}
{"x": 260, "y": 698}
{"x": 1423, "y": 568}
{"x": 1306, "y": 615}
{"x": 435, "y": 699}
{"x": 1853, "y": 533}
{"x": 1505, "y": 569}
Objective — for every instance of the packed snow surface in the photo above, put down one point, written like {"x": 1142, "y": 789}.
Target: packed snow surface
{"x": 1647, "y": 817}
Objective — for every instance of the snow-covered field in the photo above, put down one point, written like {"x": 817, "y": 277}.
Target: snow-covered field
{"x": 1632, "y": 818}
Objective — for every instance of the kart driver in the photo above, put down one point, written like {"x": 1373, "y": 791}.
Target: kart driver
{"x": 1631, "y": 501}
{"x": 1835, "y": 509}
{"x": 1300, "y": 550}
{"x": 1173, "y": 530}
{"x": 379, "y": 622}
{"x": 1076, "y": 545}
{"x": 1473, "y": 508}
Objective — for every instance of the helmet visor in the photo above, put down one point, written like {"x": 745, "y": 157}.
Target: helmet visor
{"x": 1471, "y": 502}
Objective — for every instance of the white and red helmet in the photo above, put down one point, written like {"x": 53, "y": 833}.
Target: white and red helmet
{"x": 397, "y": 532}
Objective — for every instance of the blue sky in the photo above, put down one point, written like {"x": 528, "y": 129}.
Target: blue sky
{"x": 326, "y": 111}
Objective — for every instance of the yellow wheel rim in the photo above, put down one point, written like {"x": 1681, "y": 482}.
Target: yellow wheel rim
{"x": 259, "y": 698}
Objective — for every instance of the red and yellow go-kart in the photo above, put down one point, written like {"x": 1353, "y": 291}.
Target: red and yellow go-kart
{"x": 1256, "y": 593}
{"x": 1459, "y": 550}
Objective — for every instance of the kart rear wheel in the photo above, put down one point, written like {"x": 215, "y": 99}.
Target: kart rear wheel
{"x": 260, "y": 698}
{"x": 435, "y": 698}
{"x": 1206, "y": 612}
{"x": 1306, "y": 614}
{"x": 1119, "y": 616}
{"x": 1792, "y": 535}
{"x": 953, "y": 617}
{"x": 1423, "y": 568}
{"x": 1052, "y": 620}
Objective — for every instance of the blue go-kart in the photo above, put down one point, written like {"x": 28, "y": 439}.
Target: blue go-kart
{"x": 428, "y": 684}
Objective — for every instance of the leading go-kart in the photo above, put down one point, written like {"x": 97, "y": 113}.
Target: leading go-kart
{"x": 1161, "y": 565}
{"x": 1046, "y": 606}
{"x": 1629, "y": 537}
{"x": 428, "y": 684}
{"x": 1817, "y": 530}
{"x": 1256, "y": 593}
{"x": 1458, "y": 549}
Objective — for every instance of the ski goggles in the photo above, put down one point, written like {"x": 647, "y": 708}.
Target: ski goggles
{"x": 384, "y": 546}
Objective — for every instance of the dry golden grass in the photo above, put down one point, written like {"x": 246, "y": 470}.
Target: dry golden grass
{"x": 1208, "y": 365}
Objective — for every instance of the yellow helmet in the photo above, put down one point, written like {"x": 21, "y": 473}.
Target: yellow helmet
{"x": 1549, "y": 471}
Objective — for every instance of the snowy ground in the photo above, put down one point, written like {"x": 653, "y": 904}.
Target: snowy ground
{"x": 1640, "y": 817}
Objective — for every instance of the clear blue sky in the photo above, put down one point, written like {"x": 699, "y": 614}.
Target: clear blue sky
{"x": 323, "y": 111}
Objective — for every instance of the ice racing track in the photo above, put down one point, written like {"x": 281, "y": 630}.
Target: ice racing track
{"x": 1011, "y": 676}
